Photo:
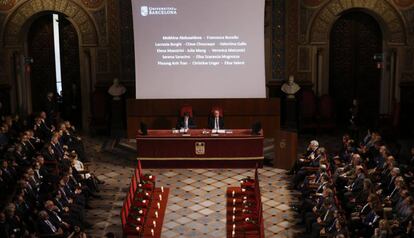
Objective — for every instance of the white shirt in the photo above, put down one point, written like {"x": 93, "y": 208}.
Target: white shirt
{"x": 185, "y": 122}
{"x": 79, "y": 167}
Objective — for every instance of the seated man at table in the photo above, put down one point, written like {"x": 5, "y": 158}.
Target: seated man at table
{"x": 186, "y": 122}
{"x": 216, "y": 121}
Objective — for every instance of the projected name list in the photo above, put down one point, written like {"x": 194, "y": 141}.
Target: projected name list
{"x": 227, "y": 50}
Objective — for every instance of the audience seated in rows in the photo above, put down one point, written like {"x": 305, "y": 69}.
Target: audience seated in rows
{"x": 362, "y": 190}
{"x": 45, "y": 184}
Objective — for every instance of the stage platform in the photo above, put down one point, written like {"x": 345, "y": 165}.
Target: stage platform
{"x": 128, "y": 148}
{"x": 200, "y": 148}
{"x": 202, "y": 163}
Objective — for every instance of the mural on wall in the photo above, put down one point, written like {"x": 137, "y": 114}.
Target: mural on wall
{"x": 319, "y": 28}
{"x": 101, "y": 22}
{"x": 278, "y": 40}
{"x": 404, "y": 3}
{"x": 409, "y": 19}
{"x": 7, "y": 4}
{"x": 312, "y": 3}
{"x": 92, "y": 3}
{"x": 127, "y": 44}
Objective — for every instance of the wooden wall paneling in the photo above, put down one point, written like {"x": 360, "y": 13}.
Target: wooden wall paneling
{"x": 285, "y": 149}
{"x": 238, "y": 113}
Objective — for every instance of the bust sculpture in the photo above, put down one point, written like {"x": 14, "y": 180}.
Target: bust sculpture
{"x": 290, "y": 88}
{"x": 116, "y": 90}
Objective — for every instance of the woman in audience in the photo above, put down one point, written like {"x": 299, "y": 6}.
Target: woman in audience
{"x": 82, "y": 173}
{"x": 383, "y": 230}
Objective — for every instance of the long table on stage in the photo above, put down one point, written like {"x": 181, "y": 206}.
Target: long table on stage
{"x": 199, "y": 148}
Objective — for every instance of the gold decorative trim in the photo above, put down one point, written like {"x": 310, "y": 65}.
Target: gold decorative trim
{"x": 391, "y": 19}
{"x": 6, "y": 5}
{"x": 92, "y": 3}
{"x": 404, "y": 4}
{"x": 206, "y": 159}
{"x": 312, "y": 3}
{"x": 198, "y": 138}
{"x": 82, "y": 20}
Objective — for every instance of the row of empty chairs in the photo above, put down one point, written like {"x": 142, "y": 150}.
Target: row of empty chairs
{"x": 136, "y": 204}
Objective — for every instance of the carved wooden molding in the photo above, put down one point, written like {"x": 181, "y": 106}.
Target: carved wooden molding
{"x": 312, "y": 3}
{"x": 390, "y": 19}
{"x": 81, "y": 19}
{"x": 6, "y": 5}
{"x": 404, "y": 4}
{"x": 92, "y": 3}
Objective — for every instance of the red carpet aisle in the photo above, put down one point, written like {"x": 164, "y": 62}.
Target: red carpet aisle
{"x": 158, "y": 217}
{"x": 142, "y": 213}
{"x": 244, "y": 215}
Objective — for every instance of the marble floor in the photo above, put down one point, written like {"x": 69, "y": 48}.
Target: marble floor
{"x": 196, "y": 204}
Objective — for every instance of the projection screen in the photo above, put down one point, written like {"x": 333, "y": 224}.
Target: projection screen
{"x": 199, "y": 49}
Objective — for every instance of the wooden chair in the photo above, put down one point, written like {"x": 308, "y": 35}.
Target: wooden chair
{"x": 214, "y": 108}
{"x": 186, "y": 109}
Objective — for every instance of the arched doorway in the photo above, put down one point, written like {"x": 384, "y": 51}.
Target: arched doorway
{"x": 14, "y": 36}
{"x": 354, "y": 40}
{"x": 40, "y": 42}
{"x": 40, "y": 49}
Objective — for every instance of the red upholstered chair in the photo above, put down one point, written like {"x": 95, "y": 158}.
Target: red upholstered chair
{"x": 130, "y": 194}
{"x": 123, "y": 216}
{"x": 220, "y": 109}
{"x": 186, "y": 109}
{"x": 325, "y": 117}
{"x": 133, "y": 184}
{"x": 308, "y": 110}
{"x": 139, "y": 169}
{"x": 136, "y": 176}
{"x": 128, "y": 226}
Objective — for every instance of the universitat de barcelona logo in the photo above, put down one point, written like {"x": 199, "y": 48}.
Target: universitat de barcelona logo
{"x": 144, "y": 11}
{"x": 200, "y": 148}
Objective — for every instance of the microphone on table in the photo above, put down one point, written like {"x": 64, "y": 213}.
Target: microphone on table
{"x": 256, "y": 128}
{"x": 143, "y": 129}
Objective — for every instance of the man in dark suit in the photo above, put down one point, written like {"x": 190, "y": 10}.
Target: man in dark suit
{"x": 41, "y": 130}
{"x": 55, "y": 216}
{"x": 325, "y": 219}
{"x": 356, "y": 187}
{"x": 46, "y": 227}
{"x": 186, "y": 122}
{"x": 56, "y": 146}
{"x": 216, "y": 121}
{"x": 4, "y": 226}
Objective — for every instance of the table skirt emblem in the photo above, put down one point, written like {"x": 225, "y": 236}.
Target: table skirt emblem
{"x": 282, "y": 144}
{"x": 200, "y": 148}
